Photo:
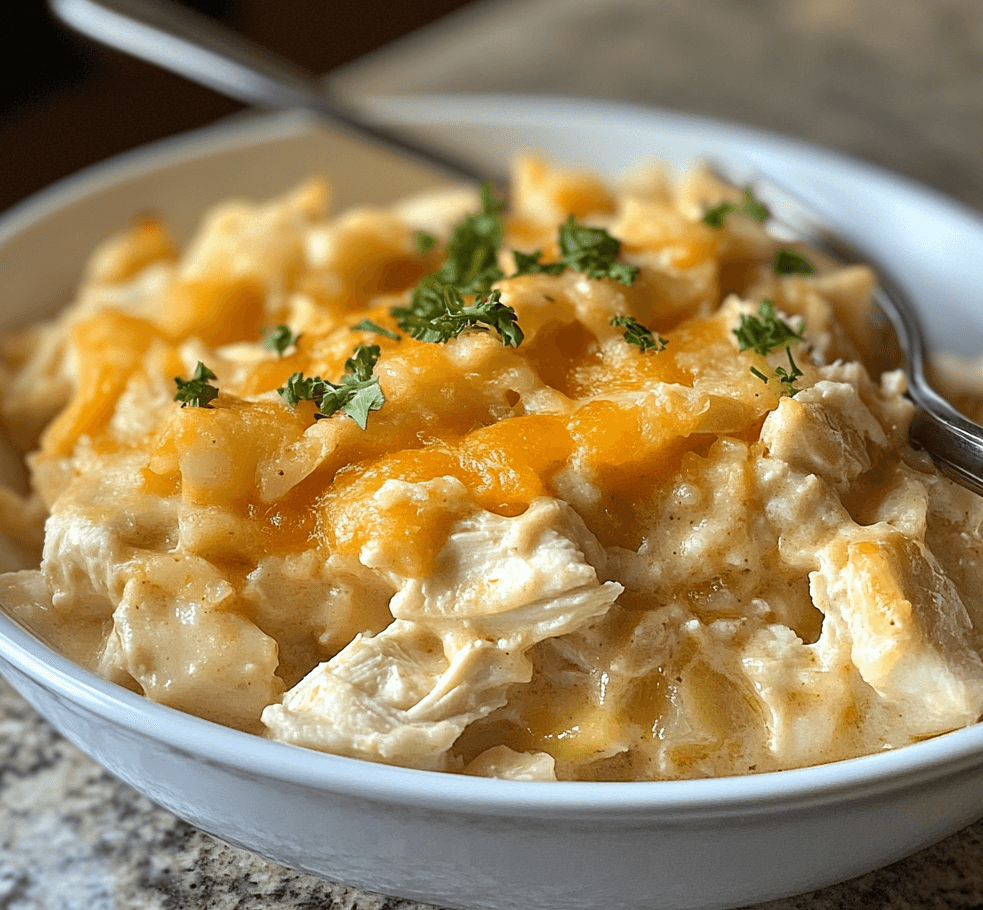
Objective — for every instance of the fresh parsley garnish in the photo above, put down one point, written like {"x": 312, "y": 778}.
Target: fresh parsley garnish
{"x": 367, "y": 325}
{"x": 788, "y": 262}
{"x": 749, "y": 207}
{"x": 196, "y": 391}
{"x": 356, "y": 393}
{"x": 439, "y": 312}
{"x": 592, "y": 251}
{"x": 787, "y": 377}
{"x": 472, "y": 249}
{"x": 766, "y": 333}
{"x": 529, "y": 264}
{"x": 279, "y": 339}
{"x": 423, "y": 242}
{"x": 636, "y": 333}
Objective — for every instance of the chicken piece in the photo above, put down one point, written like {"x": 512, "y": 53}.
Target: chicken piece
{"x": 459, "y": 641}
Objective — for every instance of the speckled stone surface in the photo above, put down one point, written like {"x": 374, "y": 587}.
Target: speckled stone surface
{"x": 899, "y": 82}
{"x": 72, "y": 837}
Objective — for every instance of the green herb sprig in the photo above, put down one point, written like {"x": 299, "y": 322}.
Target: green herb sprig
{"x": 438, "y": 309}
{"x": 636, "y": 333}
{"x": 788, "y": 377}
{"x": 472, "y": 249}
{"x": 749, "y": 207}
{"x": 423, "y": 242}
{"x": 788, "y": 262}
{"x": 594, "y": 252}
{"x": 529, "y": 264}
{"x": 766, "y": 333}
{"x": 439, "y": 312}
{"x": 279, "y": 339}
{"x": 356, "y": 393}
{"x": 196, "y": 392}
{"x": 589, "y": 250}
{"x": 367, "y": 325}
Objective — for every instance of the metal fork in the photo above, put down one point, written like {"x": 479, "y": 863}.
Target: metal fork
{"x": 953, "y": 441}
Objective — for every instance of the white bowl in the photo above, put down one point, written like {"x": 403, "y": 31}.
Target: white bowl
{"x": 470, "y": 842}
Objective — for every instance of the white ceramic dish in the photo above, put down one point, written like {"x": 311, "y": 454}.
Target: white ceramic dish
{"x": 476, "y": 843}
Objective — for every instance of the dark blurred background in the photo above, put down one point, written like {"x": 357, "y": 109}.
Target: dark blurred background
{"x": 66, "y": 102}
{"x": 898, "y": 82}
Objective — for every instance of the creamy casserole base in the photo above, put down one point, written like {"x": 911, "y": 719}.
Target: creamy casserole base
{"x": 570, "y": 559}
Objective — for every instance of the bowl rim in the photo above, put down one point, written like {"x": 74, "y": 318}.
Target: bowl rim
{"x": 250, "y": 754}
{"x": 802, "y": 788}
{"x": 229, "y": 133}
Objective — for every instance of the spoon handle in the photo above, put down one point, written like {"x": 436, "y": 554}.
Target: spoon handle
{"x": 178, "y": 39}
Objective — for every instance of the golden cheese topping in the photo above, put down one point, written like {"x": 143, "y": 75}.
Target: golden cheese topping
{"x": 580, "y": 556}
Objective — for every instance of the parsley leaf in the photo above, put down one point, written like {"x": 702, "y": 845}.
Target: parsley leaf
{"x": 362, "y": 362}
{"x": 423, "y": 242}
{"x": 715, "y": 215}
{"x": 356, "y": 393}
{"x": 749, "y": 207}
{"x": 766, "y": 333}
{"x": 196, "y": 391}
{"x": 298, "y": 388}
{"x": 279, "y": 339}
{"x": 367, "y": 325}
{"x": 787, "y": 378}
{"x": 472, "y": 250}
{"x": 636, "y": 333}
{"x": 594, "y": 252}
{"x": 788, "y": 262}
{"x": 529, "y": 264}
{"x": 439, "y": 312}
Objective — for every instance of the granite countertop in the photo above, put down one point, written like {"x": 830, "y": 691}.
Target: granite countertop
{"x": 899, "y": 82}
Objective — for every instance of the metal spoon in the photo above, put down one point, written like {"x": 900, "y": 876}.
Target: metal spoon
{"x": 187, "y": 43}
{"x": 197, "y": 48}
